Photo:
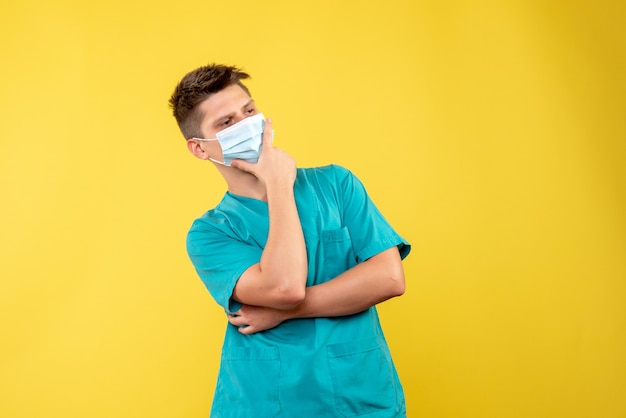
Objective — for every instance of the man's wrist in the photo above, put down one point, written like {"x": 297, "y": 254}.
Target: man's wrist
{"x": 281, "y": 188}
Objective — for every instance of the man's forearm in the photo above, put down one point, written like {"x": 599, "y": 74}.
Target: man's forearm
{"x": 284, "y": 256}
{"x": 365, "y": 285}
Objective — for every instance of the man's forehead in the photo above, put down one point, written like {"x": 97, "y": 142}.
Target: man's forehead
{"x": 224, "y": 102}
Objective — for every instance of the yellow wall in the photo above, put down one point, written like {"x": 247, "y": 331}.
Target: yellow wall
{"x": 492, "y": 135}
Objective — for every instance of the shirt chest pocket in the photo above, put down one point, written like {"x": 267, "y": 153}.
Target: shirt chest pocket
{"x": 336, "y": 253}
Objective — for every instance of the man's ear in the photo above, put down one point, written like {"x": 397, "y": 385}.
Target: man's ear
{"x": 195, "y": 147}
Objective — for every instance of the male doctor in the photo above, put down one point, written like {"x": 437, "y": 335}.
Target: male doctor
{"x": 298, "y": 258}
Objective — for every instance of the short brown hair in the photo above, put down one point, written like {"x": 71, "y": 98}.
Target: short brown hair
{"x": 197, "y": 86}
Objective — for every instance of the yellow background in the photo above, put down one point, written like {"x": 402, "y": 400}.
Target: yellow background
{"x": 491, "y": 134}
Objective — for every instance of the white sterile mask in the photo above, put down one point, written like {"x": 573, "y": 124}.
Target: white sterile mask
{"x": 241, "y": 140}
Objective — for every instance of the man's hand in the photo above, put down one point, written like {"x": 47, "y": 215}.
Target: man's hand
{"x": 252, "y": 319}
{"x": 275, "y": 167}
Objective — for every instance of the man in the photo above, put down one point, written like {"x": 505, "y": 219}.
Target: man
{"x": 298, "y": 258}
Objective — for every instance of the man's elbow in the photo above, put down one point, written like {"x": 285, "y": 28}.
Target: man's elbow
{"x": 400, "y": 289}
{"x": 397, "y": 286}
{"x": 396, "y": 282}
{"x": 389, "y": 264}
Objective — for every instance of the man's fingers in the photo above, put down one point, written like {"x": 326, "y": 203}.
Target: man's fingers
{"x": 242, "y": 165}
{"x": 268, "y": 134}
{"x": 240, "y": 324}
{"x": 246, "y": 330}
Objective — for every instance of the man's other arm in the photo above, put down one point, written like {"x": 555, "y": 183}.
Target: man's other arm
{"x": 377, "y": 279}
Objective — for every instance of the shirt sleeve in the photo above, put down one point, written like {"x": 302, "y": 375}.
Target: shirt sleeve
{"x": 369, "y": 230}
{"x": 220, "y": 259}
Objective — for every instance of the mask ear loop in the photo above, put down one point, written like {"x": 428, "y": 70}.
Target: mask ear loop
{"x": 207, "y": 140}
{"x": 219, "y": 162}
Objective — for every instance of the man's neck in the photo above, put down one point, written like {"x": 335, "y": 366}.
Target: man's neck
{"x": 243, "y": 184}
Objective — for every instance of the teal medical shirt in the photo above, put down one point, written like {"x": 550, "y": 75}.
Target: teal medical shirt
{"x": 318, "y": 367}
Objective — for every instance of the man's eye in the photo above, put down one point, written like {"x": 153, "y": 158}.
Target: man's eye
{"x": 226, "y": 122}
{"x": 251, "y": 111}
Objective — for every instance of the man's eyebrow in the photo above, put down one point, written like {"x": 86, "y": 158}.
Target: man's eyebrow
{"x": 251, "y": 102}
{"x": 219, "y": 120}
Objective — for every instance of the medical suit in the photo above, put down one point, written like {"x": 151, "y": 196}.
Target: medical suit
{"x": 317, "y": 367}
